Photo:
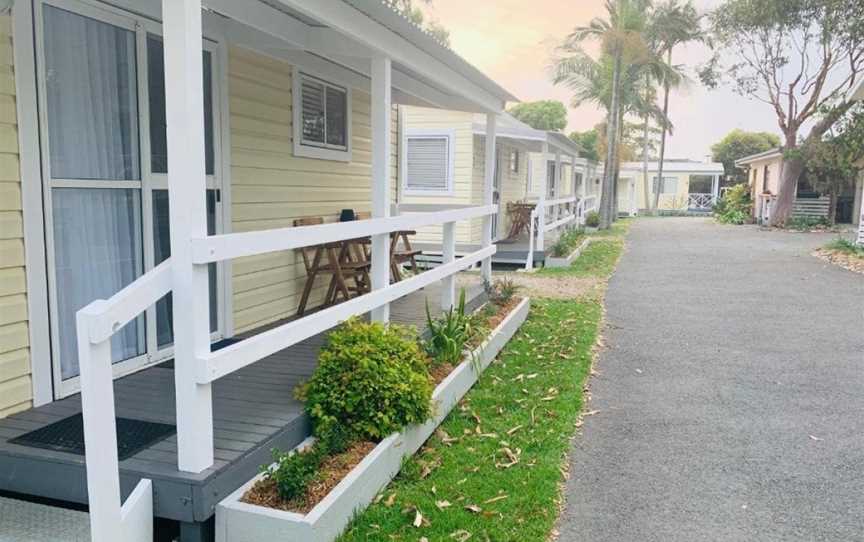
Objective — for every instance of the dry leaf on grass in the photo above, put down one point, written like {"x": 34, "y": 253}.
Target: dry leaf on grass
{"x": 495, "y": 499}
{"x": 460, "y": 536}
{"x": 390, "y": 500}
{"x": 442, "y": 504}
{"x": 473, "y": 508}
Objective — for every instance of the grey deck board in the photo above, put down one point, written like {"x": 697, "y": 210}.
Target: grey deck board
{"x": 254, "y": 410}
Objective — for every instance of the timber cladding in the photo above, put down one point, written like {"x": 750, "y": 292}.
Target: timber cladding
{"x": 270, "y": 187}
{"x": 15, "y": 382}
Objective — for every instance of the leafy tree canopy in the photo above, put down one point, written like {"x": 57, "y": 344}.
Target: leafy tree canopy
{"x": 434, "y": 27}
{"x": 541, "y": 115}
{"x": 833, "y": 163}
{"x": 736, "y": 145}
{"x": 587, "y": 140}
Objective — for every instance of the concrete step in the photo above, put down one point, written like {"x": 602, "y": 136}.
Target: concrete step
{"x": 23, "y": 521}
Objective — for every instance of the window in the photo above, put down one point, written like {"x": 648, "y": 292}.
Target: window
{"x": 670, "y": 185}
{"x": 428, "y": 163}
{"x": 514, "y": 161}
{"x": 766, "y": 178}
{"x": 321, "y": 119}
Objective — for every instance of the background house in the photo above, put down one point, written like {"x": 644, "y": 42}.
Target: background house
{"x": 764, "y": 173}
{"x": 443, "y": 161}
{"x": 688, "y": 185}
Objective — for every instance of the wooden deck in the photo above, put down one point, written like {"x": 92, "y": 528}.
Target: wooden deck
{"x": 510, "y": 252}
{"x": 254, "y": 410}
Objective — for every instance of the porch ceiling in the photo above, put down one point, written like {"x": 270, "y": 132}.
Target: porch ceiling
{"x": 342, "y": 36}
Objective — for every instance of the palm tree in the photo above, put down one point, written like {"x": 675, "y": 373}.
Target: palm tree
{"x": 611, "y": 81}
{"x": 672, "y": 24}
{"x": 621, "y": 39}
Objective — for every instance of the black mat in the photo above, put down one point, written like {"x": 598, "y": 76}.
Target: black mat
{"x": 67, "y": 435}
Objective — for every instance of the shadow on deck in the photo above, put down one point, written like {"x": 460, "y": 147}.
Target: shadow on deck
{"x": 254, "y": 410}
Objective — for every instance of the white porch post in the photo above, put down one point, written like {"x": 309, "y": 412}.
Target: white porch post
{"x": 559, "y": 175}
{"x": 184, "y": 107}
{"x": 715, "y": 188}
{"x": 381, "y": 177}
{"x": 488, "y": 180}
{"x": 541, "y": 200}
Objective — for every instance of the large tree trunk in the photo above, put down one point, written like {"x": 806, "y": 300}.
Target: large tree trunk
{"x": 793, "y": 166}
{"x": 646, "y": 187}
{"x": 832, "y": 205}
{"x": 611, "y": 144}
{"x": 663, "y": 137}
{"x": 618, "y": 148}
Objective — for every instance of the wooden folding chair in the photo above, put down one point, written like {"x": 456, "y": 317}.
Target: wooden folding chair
{"x": 340, "y": 266}
{"x": 404, "y": 255}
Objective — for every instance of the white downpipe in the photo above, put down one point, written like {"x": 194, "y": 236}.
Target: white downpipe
{"x": 488, "y": 182}
{"x": 184, "y": 107}
{"x": 381, "y": 87}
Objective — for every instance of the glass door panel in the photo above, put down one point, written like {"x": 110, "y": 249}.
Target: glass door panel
{"x": 162, "y": 250}
{"x": 94, "y": 176}
{"x": 97, "y": 251}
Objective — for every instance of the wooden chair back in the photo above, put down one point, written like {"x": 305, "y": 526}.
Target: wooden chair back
{"x": 304, "y": 251}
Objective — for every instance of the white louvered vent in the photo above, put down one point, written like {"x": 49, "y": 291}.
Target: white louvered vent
{"x": 428, "y": 164}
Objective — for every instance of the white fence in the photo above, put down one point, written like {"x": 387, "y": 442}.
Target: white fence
{"x": 700, "y": 201}
{"x": 112, "y": 521}
{"x": 559, "y": 213}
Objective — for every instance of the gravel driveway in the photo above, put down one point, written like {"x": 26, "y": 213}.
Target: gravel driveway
{"x": 730, "y": 395}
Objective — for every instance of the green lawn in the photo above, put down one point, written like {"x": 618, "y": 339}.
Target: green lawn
{"x": 493, "y": 471}
{"x": 597, "y": 260}
{"x": 494, "y": 468}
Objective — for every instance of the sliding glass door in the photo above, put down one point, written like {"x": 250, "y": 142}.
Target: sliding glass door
{"x": 104, "y": 155}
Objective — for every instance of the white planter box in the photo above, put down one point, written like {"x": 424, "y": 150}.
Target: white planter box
{"x": 237, "y": 521}
{"x": 552, "y": 261}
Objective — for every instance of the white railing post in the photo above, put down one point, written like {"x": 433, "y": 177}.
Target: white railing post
{"x": 529, "y": 261}
{"x": 184, "y": 107}
{"x": 541, "y": 199}
{"x": 110, "y": 519}
{"x": 559, "y": 174}
{"x": 100, "y": 434}
{"x": 381, "y": 177}
{"x": 488, "y": 180}
{"x": 448, "y": 254}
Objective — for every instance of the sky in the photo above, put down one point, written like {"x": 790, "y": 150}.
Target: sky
{"x": 512, "y": 42}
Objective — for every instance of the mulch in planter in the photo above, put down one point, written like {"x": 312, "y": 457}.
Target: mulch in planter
{"x": 334, "y": 468}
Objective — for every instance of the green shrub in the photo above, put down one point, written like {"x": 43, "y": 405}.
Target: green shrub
{"x": 371, "y": 379}
{"x": 448, "y": 333}
{"x": 592, "y": 219}
{"x": 735, "y": 206}
{"x": 293, "y": 471}
{"x": 803, "y": 223}
{"x": 501, "y": 291}
{"x": 567, "y": 242}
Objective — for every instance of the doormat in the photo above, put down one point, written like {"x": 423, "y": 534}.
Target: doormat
{"x": 67, "y": 435}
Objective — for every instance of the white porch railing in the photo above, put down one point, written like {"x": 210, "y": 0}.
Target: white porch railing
{"x": 111, "y": 520}
{"x": 559, "y": 212}
{"x": 700, "y": 201}
{"x": 131, "y": 521}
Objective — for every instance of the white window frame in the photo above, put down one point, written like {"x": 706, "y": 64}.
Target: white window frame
{"x": 38, "y": 223}
{"x": 317, "y": 150}
{"x": 663, "y": 184}
{"x": 450, "y": 136}
{"x": 514, "y": 161}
